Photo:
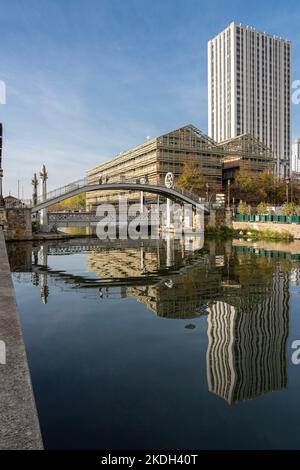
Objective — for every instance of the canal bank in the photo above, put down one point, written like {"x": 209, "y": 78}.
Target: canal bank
{"x": 283, "y": 225}
{"x": 19, "y": 425}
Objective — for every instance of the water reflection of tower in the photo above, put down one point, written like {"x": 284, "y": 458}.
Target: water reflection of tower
{"x": 247, "y": 343}
{"x": 295, "y": 277}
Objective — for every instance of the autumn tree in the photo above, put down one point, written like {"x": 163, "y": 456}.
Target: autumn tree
{"x": 192, "y": 178}
{"x": 73, "y": 203}
{"x": 246, "y": 188}
{"x": 273, "y": 188}
{"x": 294, "y": 191}
{"x": 255, "y": 188}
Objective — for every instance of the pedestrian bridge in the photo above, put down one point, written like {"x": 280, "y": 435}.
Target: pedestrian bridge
{"x": 82, "y": 186}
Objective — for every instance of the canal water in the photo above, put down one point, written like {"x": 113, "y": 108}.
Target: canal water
{"x": 164, "y": 344}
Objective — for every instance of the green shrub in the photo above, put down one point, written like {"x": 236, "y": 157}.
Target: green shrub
{"x": 262, "y": 208}
{"x": 288, "y": 208}
{"x": 243, "y": 208}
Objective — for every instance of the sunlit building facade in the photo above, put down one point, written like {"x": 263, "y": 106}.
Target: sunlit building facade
{"x": 152, "y": 160}
{"x": 296, "y": 156}
{"x": 249, "y": 78}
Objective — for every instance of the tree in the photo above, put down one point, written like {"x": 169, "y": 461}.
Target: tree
{"x": 259, "y": 187}
{"x": 243, "y": 208}
{"x": 262, "y": 208}
{"x": 290, "y": 208}
{"x": 75, "y": 203}
{"x": 295, "y": 191}
{"x": 246, "y": 187}
{"x": 192, "y": 178}
{"x": 273, "y": 187}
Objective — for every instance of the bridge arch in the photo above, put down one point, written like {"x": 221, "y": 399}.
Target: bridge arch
{"x": 169, "y": 193}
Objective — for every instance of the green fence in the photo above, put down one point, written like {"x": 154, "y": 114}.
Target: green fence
{"x": 277, "y": 219}
{"x": 267, "y": 253}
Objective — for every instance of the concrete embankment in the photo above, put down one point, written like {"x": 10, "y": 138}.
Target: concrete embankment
{"x": 19, "y": 425}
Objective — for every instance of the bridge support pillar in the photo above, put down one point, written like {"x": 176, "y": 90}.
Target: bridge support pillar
{"x": 188, "y": 219}
{"x": 169, "y": 214}
{"x": 198, "y": 222}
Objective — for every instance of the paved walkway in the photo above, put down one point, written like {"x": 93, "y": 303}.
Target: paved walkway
{"x": 19, "y": 425}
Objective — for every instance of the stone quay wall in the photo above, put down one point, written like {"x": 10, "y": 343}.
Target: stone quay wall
{"x": 19, "y": 424}
{"x": 19, "y": 225}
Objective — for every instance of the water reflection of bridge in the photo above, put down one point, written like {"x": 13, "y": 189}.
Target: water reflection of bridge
{"x": 170, "y": 280}
{"x": 244, "y": 295}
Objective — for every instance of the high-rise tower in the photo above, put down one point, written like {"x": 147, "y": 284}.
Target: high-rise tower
{"x": 296, "y": 156}
{"x": 249, "y": 89}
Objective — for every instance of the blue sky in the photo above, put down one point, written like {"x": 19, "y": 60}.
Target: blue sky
{"x": 87, "y": 79}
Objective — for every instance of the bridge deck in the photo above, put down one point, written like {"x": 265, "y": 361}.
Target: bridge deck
{"x": 174, "y": 194}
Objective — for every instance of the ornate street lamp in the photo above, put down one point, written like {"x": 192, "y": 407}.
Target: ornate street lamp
{"x": 34, "y": 183}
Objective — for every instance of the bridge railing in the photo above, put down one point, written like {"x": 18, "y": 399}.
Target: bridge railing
{"x": 72, "y": 216}
{"x": 85, "y": 182}
{"x": 64, "y": 189}
{"x": 57, "y": 192}
{"x": 187, "y": 193}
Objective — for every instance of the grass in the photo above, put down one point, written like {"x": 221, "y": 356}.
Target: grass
{"x": 265, "y": 235}
{"x": 223, "y": 232}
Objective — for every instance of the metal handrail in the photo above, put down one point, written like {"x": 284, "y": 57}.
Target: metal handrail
{"x": 63, "y": 190}
{"x": 187, "y": 193}
{"x": 85, "y": 182}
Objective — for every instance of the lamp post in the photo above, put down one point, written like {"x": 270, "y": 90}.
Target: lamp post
{"x": 287, "y": 189}
{"x": 228, "y": 194}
